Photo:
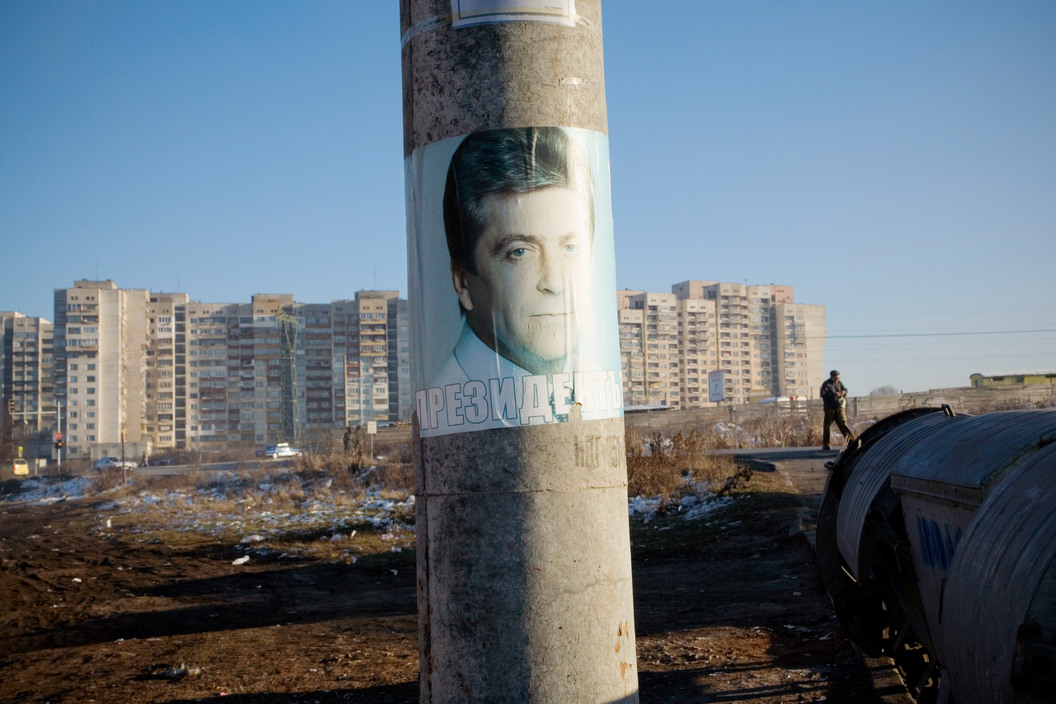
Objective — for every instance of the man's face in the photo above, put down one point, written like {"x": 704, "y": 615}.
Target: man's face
{"x": 533, "y": 267}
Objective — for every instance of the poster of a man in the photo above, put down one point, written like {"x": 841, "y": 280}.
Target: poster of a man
{"x": 519, "y": 219}
{"x": 518, "y": 215}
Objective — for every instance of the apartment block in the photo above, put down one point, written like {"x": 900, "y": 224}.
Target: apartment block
{"x": 165, "y": 401}
{"x": 27, "y": 387}
{"x": 698, "y": 348}
{"x": 135, "y": 372}
{"x": 798, "y": 333}
{"x": 138, "y": 372}
{"x": 100, "y": 346}
{"x": 764, "y": 343}
{"x": 650, "y": 349}
{"x": 384, "y": 362}
{"x": 207, "y": 395}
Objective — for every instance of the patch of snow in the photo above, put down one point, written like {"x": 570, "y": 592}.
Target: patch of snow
{"x": 644, "y": 508}
{"x": 46, "y": 491}
{"x": 701, "y": 510}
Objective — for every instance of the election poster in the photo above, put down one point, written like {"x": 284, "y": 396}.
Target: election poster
{"x": 512, "y": 280}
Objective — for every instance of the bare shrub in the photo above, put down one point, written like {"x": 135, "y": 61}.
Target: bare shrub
{"x": 653, "y": 476}
{"x": 395, "y": 452}
{"x": 344, "y": 480}
{"x": 736, "y": 479}
{"x": 668, "y": 467}
{"x": 356, "y": 448}
{"x": 765, "y": 430}
{"x": 784, "y": 431}
{"x": 287, "y": 496}
{"x": 313, "y": 462}
{"x": 394, "y": 479}
{"x": 178, "y": 482}
{"x": 112, "y": 481}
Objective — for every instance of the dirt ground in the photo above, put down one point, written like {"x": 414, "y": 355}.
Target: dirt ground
{"x": 728, "y": 610}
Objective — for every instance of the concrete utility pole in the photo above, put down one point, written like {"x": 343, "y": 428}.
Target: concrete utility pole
{"x": 524, "y": 576}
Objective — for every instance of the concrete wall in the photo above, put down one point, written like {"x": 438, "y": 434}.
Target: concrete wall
{"x": 971, "y": 400}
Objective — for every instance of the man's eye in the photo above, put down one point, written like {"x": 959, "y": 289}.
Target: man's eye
{"x": 571, "y": 247}
{"x": 517, "y": 253}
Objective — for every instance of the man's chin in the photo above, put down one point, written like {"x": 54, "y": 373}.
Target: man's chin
{"x": 552, "y": 362}
{"x": 547, "y": 358}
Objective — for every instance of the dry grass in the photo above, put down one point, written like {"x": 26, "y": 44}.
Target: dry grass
{"x": 771, "y": 430}
{"x": 671, "y": 467}
{"x": 335, "y": 503}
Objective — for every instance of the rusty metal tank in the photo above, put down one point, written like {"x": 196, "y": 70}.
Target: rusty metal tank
{"x": 936, "y": 539}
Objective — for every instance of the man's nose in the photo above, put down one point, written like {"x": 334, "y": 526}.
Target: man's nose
{"x": 552, "y": 275}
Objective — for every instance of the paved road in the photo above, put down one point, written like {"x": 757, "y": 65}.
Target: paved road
{"x": 168, "y": 470}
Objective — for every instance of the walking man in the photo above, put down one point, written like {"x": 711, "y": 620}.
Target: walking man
{"x": 834, "y": 398}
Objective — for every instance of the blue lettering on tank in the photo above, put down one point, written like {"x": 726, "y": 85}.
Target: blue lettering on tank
{"x": 937, "y": 544}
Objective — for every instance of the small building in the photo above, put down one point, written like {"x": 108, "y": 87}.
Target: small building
{"x": 1014, "y": 378}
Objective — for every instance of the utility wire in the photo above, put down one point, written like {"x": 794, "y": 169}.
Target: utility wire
{"x": 938, "y": 334}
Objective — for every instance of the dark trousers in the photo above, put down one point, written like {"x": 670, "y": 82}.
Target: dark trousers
{"x": 840, "y": 416}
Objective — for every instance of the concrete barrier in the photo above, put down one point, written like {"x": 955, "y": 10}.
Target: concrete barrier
{"x": 972, "y": 400}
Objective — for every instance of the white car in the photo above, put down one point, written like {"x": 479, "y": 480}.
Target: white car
{"x": 114, "y": 463}
{"x": 282, "y": 449}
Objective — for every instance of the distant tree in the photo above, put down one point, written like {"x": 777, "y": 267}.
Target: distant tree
{"x": 885, "y": 390}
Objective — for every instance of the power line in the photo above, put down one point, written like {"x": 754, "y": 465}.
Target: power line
{"x": 939, "y": 334}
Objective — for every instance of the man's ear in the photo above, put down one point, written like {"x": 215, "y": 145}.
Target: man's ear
{"x": 460, "y": 280}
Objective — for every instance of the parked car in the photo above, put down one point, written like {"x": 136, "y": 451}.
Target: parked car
{"x": 114, "y": 463}
{"x": 281, "y": 449}
{"x": 16, "y": 468}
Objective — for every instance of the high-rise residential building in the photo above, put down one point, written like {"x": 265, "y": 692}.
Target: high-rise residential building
{"x": 137, "y": 372}
{"x": 206, "y": 394}
{"x": 649, "y": 348}
{"x": 371, "y": 359}
{"x": 101, "y": 343}
{"x": 698, "y": 348}
{"x": 366, "y": 357}
{"x": 798, "y": 334}
{"x": 763, "y": 342}
{"x": 263, "y": 368}
{"x": 27, "y": 381}
{"x": 140, "y": 372}
{"x": 400, "y": 394}
{"x": 165, "y": 402}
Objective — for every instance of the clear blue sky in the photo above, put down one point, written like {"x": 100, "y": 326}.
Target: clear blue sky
{"x": 893, "y": 161}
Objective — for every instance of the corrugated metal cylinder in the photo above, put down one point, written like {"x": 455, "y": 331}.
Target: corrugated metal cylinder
{"x": 870, "y": 475}
{"x": 995, "y": 579}
{"x": 946, "y": 477}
